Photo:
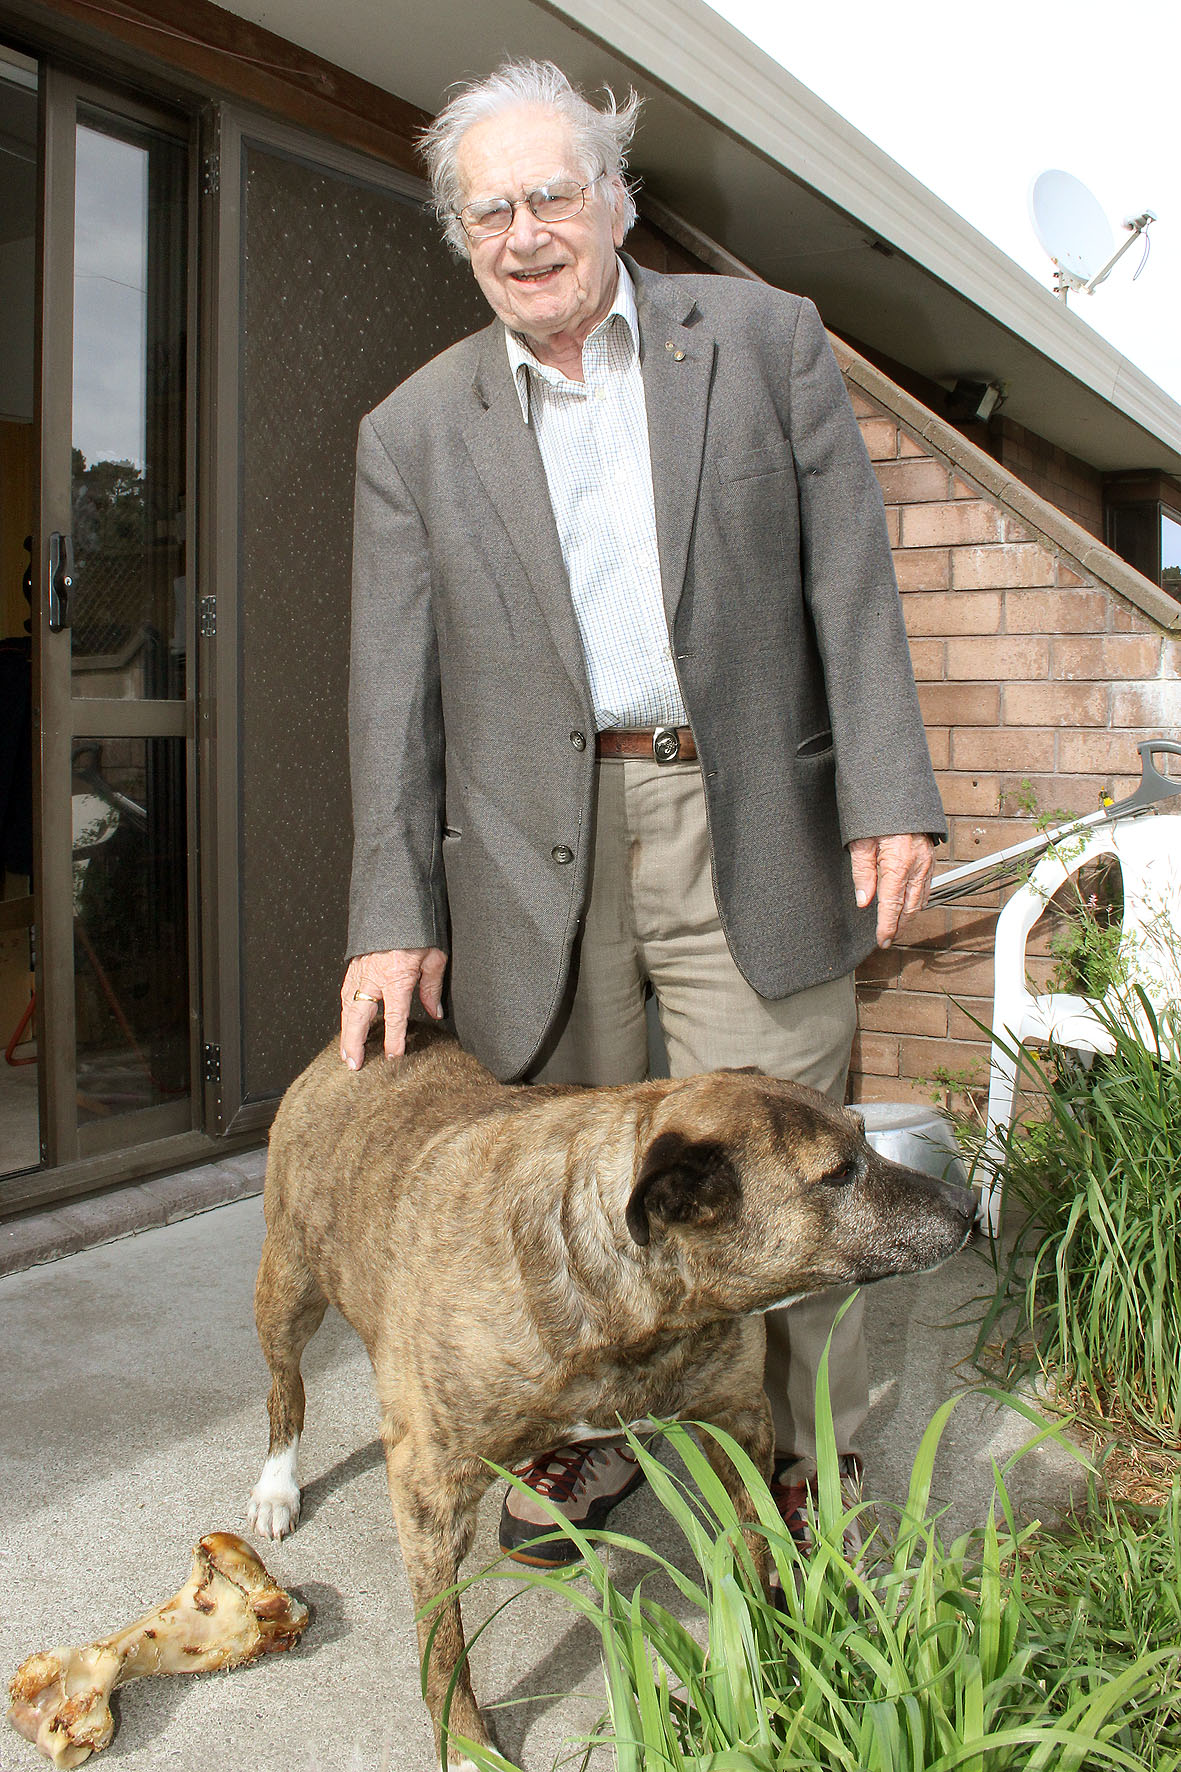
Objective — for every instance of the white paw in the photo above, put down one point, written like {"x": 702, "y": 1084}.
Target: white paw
{"x": 273, "y": 1509}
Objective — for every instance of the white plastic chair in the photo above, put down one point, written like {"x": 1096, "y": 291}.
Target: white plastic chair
{"x": 1148, "y": 850}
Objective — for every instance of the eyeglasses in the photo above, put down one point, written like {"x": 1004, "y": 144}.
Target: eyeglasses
{"x": 554, "y": 202}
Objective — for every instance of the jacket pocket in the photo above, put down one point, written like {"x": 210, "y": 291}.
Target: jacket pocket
{"x": 816, "y": 746}
{"x": 749, "y": 464}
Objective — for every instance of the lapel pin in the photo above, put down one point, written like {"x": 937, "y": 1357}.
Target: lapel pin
{"x": 678, "y": 356}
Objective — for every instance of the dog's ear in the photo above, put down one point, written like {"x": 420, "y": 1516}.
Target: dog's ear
{"x": 742, "y": 1070}
{"x": 683, "y": 1181}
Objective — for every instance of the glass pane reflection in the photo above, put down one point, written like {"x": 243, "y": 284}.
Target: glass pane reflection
{"x": 128, "y": 458}
{"x": 1170, "y": 553}
{"x": 130, "y": 924}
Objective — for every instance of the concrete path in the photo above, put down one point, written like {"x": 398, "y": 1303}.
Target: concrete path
{"x": 132, "y": 1421}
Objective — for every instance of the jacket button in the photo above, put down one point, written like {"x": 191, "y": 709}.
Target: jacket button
{"x": 561, "y": 854}
{"x": 578, "y": 740}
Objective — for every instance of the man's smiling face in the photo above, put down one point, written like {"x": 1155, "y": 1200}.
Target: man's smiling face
{"x": 551, "y": 281}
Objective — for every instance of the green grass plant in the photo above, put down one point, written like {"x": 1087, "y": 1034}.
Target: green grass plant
{"x": 1095, "y": 1266}
{"x": 1105, "y": 1589}
{"x": 924, "y": 1657}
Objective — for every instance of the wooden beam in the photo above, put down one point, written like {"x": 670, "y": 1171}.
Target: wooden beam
{"x": 210, "y": 51}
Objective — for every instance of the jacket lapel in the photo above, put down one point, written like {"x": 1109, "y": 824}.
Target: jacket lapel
{"x": 508, "y": 461}
{"x": 677, "y": 362}
{"x": 677, "y": 365}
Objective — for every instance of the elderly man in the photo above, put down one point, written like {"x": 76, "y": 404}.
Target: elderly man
{"x": 631, "y": 707}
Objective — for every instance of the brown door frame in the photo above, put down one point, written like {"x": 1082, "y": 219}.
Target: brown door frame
{"x": 75, "y": 1159}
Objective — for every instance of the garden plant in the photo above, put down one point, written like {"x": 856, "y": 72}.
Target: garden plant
{"x": 1092, "y": 1183}
{"x": 996, "y": 1652}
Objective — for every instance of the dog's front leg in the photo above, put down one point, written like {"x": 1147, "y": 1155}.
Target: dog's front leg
{"x": 750, "y": 1425}
{"x": 434, "y": 1510}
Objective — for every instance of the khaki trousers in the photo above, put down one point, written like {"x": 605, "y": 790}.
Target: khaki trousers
{"x": 652, "y": 920}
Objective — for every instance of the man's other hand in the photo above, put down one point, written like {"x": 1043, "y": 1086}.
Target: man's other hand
{"x": 898, "y": 870}
{"x": 390, "y": 979}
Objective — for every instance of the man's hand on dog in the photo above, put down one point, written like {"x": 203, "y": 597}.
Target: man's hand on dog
{"x": 898, "y": 869}
{"x": 389, "y": 980}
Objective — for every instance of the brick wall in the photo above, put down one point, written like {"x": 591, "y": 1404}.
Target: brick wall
{"x": 1036, "y": 675}
{"x": 1073, "y": 485}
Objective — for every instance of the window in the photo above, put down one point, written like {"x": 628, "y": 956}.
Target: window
{"x": 1147, "y": 534}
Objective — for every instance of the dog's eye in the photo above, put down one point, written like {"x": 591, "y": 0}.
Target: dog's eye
{"x": 840, "y": 1177}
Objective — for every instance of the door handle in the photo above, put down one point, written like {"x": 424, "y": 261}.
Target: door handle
{"x": 61, "y": 580}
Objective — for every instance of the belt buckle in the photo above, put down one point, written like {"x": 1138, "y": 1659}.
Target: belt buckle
{"x": 666, "y": 744}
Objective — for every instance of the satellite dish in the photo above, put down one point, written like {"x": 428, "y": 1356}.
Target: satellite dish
{"x": 1070, "y": 224}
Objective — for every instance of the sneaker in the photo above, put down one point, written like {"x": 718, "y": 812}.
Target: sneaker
{"x": 584, "y": 1481}
{"x": 791, "y": 1498}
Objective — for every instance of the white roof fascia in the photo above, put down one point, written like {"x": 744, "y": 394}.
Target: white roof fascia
{"x": 695, "y": 53}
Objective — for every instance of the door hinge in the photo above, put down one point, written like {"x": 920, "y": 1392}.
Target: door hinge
{"x": 207, "y": 617}
{"x": 211, "y": 174}
{"x": 211, "y": 1065}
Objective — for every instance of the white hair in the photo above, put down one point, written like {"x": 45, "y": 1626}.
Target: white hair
{"x": 601, "y": 136}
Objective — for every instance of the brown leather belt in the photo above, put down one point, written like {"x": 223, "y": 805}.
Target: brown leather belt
{"x": 660, "y": 744}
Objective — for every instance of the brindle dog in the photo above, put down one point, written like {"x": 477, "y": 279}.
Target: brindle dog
{"x": 526, "y": 1265}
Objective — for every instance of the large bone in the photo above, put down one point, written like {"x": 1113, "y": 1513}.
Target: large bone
{"x": 227, "y": 1613}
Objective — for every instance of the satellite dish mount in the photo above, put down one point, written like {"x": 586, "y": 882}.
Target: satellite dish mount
{"x": 1073, "y": 229}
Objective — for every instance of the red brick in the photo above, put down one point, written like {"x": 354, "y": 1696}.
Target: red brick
{"x": 960, "y": 704}
{"x": 922, "y": 569}
{"x": 904, "y": 1089}
{"x": 928, "y": 927}
{"x": 919, "y": 480}
{"x": 974, "y": 795}
{"x": 941, "y": 525}
{"x": 909, "y": 446}
{"x": 975, "y": 747}
{"x": 1013, "y": 529}
{"x": 1055, "y": 612}
{"x": 1015, "y": 564}
{"x": 954, "y": 971}
{"x": 1101, "y": 755}
{"x": 960, "y": 1026}
{"x": 905, "y": 1012}
{"x": 1067, "y": 576}
{"x": 1125, "y": 619}
{"x": 893, "y": 524}
{"x": 974, "y": 924}
{"x": 1112, "y": 656}
{"x": 880, "y": 436}
{"x": 939, "y": 745}
{"x": 1055, "y": 704}
{"x": 921, "y": 1058}
{"x": 861, "y": 403}
{"x": 962, "y": 612}
{"x": 1001, "y": 660}
{"x": 928, "y": 660}
{"x": 1057, "y": 797}
{"x": 962, "y": 489}
{"x": 1157, "y": 705}
{"x": 882, "y": 967}
{"x": 978, "y": 839}
{"x": 876, "y": 1054}
{"x": 937, "y": 927}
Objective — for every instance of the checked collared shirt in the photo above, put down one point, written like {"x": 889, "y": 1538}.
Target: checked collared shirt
{"x": 593, "y": 437}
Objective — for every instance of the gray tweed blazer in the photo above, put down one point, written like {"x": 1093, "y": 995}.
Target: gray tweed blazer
{"x": 468, "y": 696}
